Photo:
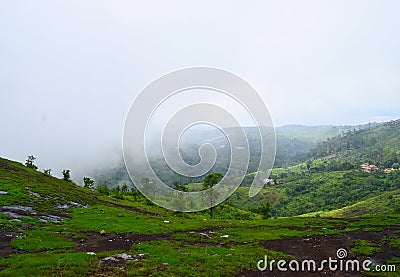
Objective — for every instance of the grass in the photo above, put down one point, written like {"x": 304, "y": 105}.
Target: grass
{"x": 393, "y": 242}
{"x": 376, "y": 221}
{"x": 385, "y": 203}
{"x": 252, "y": 234}
{"x": 54, "y": 263}
{"x": 234, "y": 243}
{"x": 372, "y": 229}
{"x": 242, "y": 235}
{"x": 29, "y": 187}
{"x": 41, "y": 240}
{"x": 117, "y": 220}
{"x": 179, "y": 259}
{"x": 365, "y": 248}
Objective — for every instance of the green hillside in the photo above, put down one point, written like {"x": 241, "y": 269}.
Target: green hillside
{"x": 331, "y": 177}
{"x": 296, "y": 193}
{"x": 385, "y": 203}
{"x": 51, "y": 227}
{"x": 43, "y": 193}
{"x": 378, "y": 145}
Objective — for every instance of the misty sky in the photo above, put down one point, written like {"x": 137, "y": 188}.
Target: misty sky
{"x": 69, "y": 70}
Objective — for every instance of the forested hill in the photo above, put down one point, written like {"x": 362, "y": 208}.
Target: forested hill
{"x": 379, "y": 145}
{"x": 293, "y": 142}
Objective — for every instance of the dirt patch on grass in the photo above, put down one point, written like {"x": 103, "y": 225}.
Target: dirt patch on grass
{"x": 6, "y": 165}
{"x": 323, "y": 247}
{"x": 98, "y": 243}
{"x": 320, "y": 248}
{"x": 5, "y": 239}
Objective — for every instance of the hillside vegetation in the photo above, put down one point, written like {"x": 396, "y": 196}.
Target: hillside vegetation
{"x": 385, "y": 203}
{"x": 52, "y": 227}
{"x": 297, "y": 193}
{"x": 44, "y": 193}
{"x": 332, "y": 178}
{"x": 327, "y": 175}
{"x": 378, "y": 145}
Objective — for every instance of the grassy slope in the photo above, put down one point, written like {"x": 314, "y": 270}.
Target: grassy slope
{"x": 385, "y": 203}
{"x": 23, "y": 184}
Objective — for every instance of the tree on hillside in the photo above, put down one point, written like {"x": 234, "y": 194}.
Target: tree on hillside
{"x": 148, "y": 187}
{"x": 66, "y": 175}
{"x": 29, "y": 162}
{"x": 117, "y": 189}
{"x": 103, "y": 189}
{"x": 124, "y": 188}
{"x": 135, "y": 193}
{"x": 263, "y": 209}
{"x": 88, "y": 182}
{"x": 180, "y": 187}
{"x": 209, "y": 182}
{"x": 308, "y": 164}
{"x": 47, "y": 171}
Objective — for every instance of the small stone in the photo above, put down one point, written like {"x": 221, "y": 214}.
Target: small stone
{"x": 111, "y": 258}
{"x": 205, "y": 235}
{"x": 35, "y": 194}
{"x": 124, "y": 256}
{"x": 374, "y": 262}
